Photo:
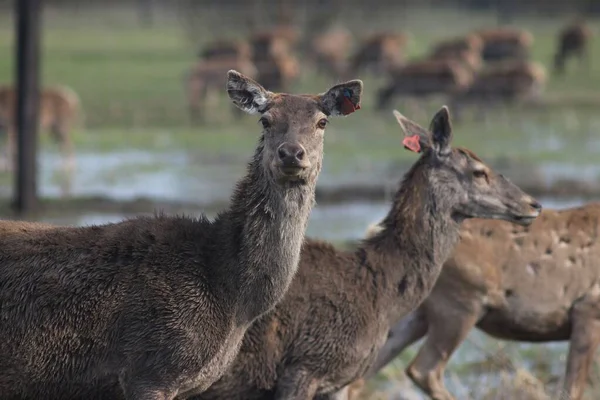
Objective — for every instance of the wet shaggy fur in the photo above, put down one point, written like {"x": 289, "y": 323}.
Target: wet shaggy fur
{"x": 331, "y": 323}
{"x": 160, "y": 304}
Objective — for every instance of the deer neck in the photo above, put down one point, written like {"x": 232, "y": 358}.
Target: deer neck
{"x": 267, "y": 221}
{"x": 406, "y": 257}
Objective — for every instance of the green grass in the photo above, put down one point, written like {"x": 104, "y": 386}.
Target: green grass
{"x": 130, "y": 82}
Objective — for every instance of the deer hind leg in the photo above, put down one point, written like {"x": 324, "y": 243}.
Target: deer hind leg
{"x": 585, "y": 338}
{"x": 296, "y": 384}
{"x": 406, "y": 332}
{"x": 11, "y": 149}
{"x": 446, "y": 332}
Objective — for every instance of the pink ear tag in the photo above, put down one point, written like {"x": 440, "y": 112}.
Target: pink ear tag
{"x": 412, "y": 143}
{"x": 347, "y": 106}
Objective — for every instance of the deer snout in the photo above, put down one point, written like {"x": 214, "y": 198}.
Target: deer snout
{"x": 292, "y": 158}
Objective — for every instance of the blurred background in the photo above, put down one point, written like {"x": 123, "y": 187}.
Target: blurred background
{"x": 137, "y": 88}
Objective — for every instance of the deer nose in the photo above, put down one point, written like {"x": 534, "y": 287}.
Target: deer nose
{"x": 535, "y": 205}
{"x": 291, "y": 155}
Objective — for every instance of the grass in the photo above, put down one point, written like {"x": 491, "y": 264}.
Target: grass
{"x": 130, "y": 82}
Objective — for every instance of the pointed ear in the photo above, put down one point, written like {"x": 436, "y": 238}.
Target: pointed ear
{"x": 441, "y": 131}
{"x": 343, "y": 99}
{"x": 416, "y": 138}
{"x": 247, "y": 94}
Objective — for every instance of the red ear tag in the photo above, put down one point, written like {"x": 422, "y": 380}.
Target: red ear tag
{"x": 412, "y": 143}
{"x": 348, "y": 107}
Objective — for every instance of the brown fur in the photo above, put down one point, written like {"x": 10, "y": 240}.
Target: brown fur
{"x": 330, "y": 51}
{"x": 505, "y": 44}
{"x": 381, "y": 52}
{"x": 425, "y": 78}
{"x": 458, "y": 45}
{"x": 573, "y": 41}
{"x": 534, "y": 284}
{"x": 227, "y": 49}
{"x": 503, "y": 83}
{"x": 336, "y": 315}
{"x": 274, "y": 58}
{"x": 59, "y": 112}
{"x": 156, "y": 307}
{"x": 209, "y": 77}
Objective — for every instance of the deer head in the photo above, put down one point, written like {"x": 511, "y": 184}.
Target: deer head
{"x": 470, "y": 187}
{"x": 293, "y": 125}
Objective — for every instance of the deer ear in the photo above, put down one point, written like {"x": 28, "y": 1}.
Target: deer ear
{"x": 247, "y": 94}
{"x": 441, "y": 131}
{"x": 343, "y": 99}
{"x": 416, "y": 138}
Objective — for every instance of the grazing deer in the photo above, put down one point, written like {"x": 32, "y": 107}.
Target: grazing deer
{"x": 381, "y": 53}
{"x": 425, "y": 78}
{"x": 156, "y": 307}
{"x": 505, "y": 82}
{"x": 573, "y": 40}
{"x": 534, "y": 284}
{"x": 59, "y": 111}
{"x": 468, "y": 58}
{"x": 500, "y": 44}
{"x": 209, "y": 77}
{"x": 457, "y": 45}
{"x": 330, "y": 51}
{"x": 331, "y": 323}
{"x": 274, "y": 59}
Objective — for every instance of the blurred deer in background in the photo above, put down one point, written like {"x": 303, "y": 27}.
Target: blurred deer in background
{"x": 379, "y": 53}
{"x": 573, "y": 41}
{"x": 501, "y": 44}
{"x": 60, "y": 110}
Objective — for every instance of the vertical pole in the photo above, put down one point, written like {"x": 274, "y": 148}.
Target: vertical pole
{"x": 27, "y": 107}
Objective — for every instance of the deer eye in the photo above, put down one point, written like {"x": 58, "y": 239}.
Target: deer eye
{"x": 265, "y": 123}
{"x": 479, "y": 173}
{"x": 322, "y": 123}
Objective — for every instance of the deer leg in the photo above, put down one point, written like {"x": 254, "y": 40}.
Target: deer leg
{"x": 11, "y": 148}
{"x": 446, "y": 332}
{"x": 585, "y": 338}
{"x": 61, "y": 135}
{"x": 296, "y": 384}
{"x": 410, "y": 329}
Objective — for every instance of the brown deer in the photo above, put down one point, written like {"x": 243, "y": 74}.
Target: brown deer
{"x": 534, "y": 284}
{"x": 209, "y": 77}
{"x": 501, "y": 44}
{"x": 470, "y": 42}
{"x": 330, "y": 51}
{"x": 226, "y": 49}
{"x": 505, "y": 82}
{"x": 60, "y": 110}
{"x": 274, "y": 59}
{"x": 424, "y": 78}
{"x": 380, "y": 53}
{"x": 573, "y": 40}
{"x": 331, "y": 323}
{"x": 156, "y": 307}
{"x": 468, "y": 58}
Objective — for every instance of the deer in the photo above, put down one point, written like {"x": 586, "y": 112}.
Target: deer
{"x": 156, "y": 307}
{"x": 535, "y": 284}
{"x": 381, "y": 52}
{"x": 457, "y": 45}
{"x": 501, "y": 44}
{"x": 328, "y": 328}
{"x": 273, "y": 57}
{"x": 505, "y": 82}
{"x": 330, "y": 50}
{"x": 573, "y": 41}
{"x": 208, "y": 77}
{"x": 59, "y": 111}
{"x": 424, "y": 78}
{"x": 226, "y": 49}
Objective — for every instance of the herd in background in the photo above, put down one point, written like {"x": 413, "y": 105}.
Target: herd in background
{"x": 478, "y": 68}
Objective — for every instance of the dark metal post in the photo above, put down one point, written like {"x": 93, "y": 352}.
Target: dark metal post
{"x": 27, "y": 110}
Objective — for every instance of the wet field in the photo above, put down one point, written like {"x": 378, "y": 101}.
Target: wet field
{"x": 137, "y": 151}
